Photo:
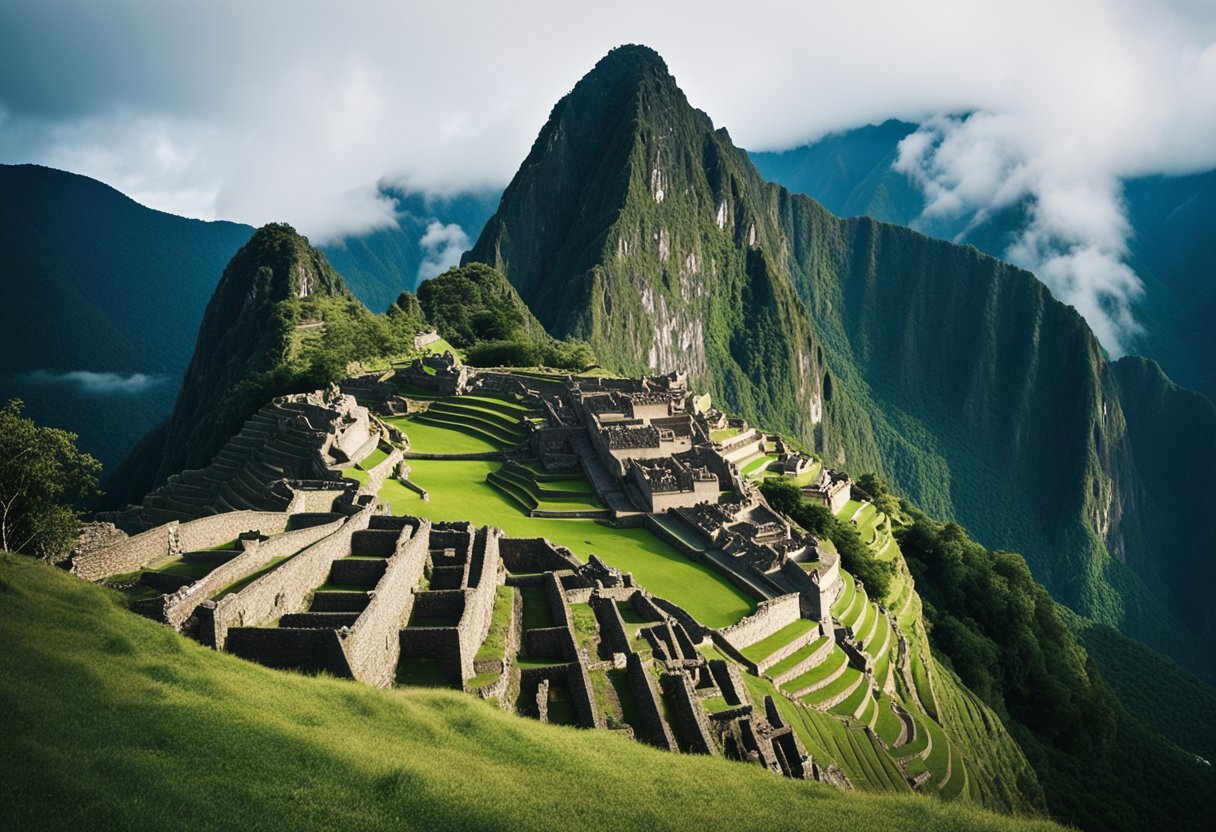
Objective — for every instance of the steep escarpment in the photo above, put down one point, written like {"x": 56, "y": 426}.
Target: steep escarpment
{"x": 246, "y": 330}
{"x": 627, "y": 226}
{"x": 636, "y": 225}
{"x": 1172, "y": 433}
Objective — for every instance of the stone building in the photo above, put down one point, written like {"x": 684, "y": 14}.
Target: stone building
{"x": 831, "y": 489}
{"x": 672, "y": 483}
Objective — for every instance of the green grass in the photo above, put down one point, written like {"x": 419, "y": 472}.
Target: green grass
{"x": 128, "y": 708}
{"x": 723, "y": 434}
{"x": 537, "y": 612}
{"x": 458, "y": 491}
{"x": 797, "y": 657}
{"x": 500, "y": 624}
{"x": 849, "y": 509}
{"x": 373, "y": 459}
{"x": 837, "y": 686}
{"x": 436, "y": 439}
{"x": 757, "y": 465}
{"x": 765, "y": 647}
{"x": 358, "y": 475}
{"x": 819, "y": 672}
{"x": 250, "y": 578}
{"x": 586, "y": 630}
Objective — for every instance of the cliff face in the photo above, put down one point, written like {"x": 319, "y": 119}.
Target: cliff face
{"x": 628, "y": 226}
{"x": 636, "y": 225}
{"x": 246, "y": 331}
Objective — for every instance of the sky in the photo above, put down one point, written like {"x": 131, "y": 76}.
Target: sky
{"x": 299, "y": 111}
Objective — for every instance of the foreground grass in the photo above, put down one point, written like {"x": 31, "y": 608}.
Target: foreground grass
{"x": 111, "y": 721}
{"x": 458, "y": 491}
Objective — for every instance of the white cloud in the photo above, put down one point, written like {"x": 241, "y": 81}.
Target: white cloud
{"x": 296, "y": 111}
{"x": 441, "y": 246}
{"x": 98, "y": 384}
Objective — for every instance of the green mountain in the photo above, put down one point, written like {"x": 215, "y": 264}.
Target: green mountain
{"x": 1170, "y": 249}
{"x": 104, "y": 297}
{"x": 637, "y": 226}
{"x": 97, "y": 289}
{"x": 281, "y": 320}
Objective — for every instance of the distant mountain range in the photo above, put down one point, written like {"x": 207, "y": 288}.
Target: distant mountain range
{"x": 104, "y": 297}
{"x": 1171, "y": 249}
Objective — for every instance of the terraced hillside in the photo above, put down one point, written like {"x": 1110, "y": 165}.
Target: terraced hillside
{"x": 79, "y": 672}
{"x": 863, "y": 703}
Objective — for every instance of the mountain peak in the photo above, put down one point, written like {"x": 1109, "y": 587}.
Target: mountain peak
{"x": 630, "y": 57}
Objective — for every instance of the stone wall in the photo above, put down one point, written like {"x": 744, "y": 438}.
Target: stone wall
{"x": 372, "y": 646}
{"x": 484, "y": 578}
{"x": 440, "y": 643}
{"x": 379, "y": 473}
{"x": 694, "y": 628}
{"x": 534, "y": 554}
{"x": 612, "y": 626}
{"x": 284, "y": 589}
{"x": 770, "y": 617}
{"x": 694, "y": 726}
{"x": 642, "y": 684}
{"x": 498, "y": 688}
{"x": 308, "y": 651}
{"x": 220, "y": 528}
{"x": 181, "y": 605}
{"x": 126, "y": 555}
{"x": 583, "y": 696}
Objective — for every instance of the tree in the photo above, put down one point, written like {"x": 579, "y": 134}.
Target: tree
{"x": 880, "y": 493}
{"x": 855, "y": 556}
{"x": 41, "y": 470}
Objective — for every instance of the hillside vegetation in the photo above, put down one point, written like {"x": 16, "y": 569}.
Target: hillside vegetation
{"x": 113, "y": 722}
{"x": 1005, "y": 638}
{"x": 636, "y": 225}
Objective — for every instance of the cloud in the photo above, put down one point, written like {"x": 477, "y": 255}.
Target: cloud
{"x": 1077, "y": 231}
{"x": 441, "y": 246}
{"x": 98, "y": 384}
{"x": 298, "y": 111}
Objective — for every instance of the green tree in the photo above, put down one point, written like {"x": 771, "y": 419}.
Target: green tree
{"x": 855, "y": 556}
{"x": 880, "y": 492}
{"x": 40, "y": 471}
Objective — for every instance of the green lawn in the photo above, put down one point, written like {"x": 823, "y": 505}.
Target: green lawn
{"x": 500, "y": 624}
{"x": 767, "y": 646}
{"x": 127, "y": 706}
{"x": 374, "y": 458}
{"x": 537, "y": 613}
{"x": 756, "y": 466}
{"x": 358, "y": 475}
{"x": 435, "y": 439}
{"x": 458, "y": 491}
{"x": 850, "y": 508}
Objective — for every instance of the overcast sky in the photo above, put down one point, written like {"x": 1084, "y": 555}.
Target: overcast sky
{"x": 296, "y": 110}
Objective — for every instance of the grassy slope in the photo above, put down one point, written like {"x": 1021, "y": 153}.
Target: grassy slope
{"x": 112, "y": 721}
{"x": 458, "y": 491}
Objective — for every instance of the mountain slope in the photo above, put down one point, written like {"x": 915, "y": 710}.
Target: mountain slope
{"x": 95, "y": 282}
{"x": 128, "y": 706}
{"x": 615, "y": 231}
{"x": 634, "y": 224}
{"x": 1170, "y": 249}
